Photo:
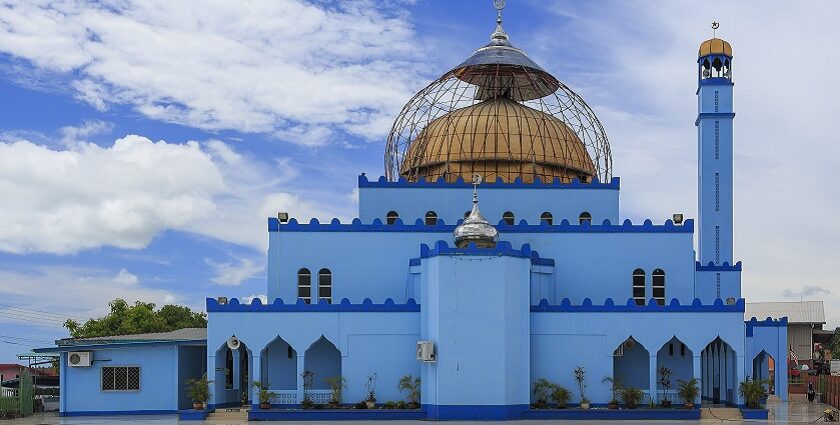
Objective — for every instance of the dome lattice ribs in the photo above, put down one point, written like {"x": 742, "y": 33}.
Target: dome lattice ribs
{"x": 500, "y": 115}
{"x": 498, "y": 137}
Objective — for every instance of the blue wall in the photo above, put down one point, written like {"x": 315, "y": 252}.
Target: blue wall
{"x": 191, "y": 365}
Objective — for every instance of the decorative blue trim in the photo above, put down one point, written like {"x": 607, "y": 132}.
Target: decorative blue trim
{"x": 609, "y": 306}
{"x": 414, "y": 262}
{"x": 768, "y": 322}
{"x": 335, "y": 415}
{"x": 523, "y": 227}
{"x": 118, "y": 412}
{"x": 475, "y": 412}
{"x": 503, "y": 248}
{"x": 121, "y": 344}
{"x": 754, "y": 413}
{"x": 711, "y": 267}
{"x": 193, "y": 415}
{"x": 613, "y": 414}
{"x": 440, "y": 183}
{"x": 713, "y": 115}
{"x": 300, "y": 306}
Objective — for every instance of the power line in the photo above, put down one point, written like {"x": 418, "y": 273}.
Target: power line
{"x": 22, "y": 339}
{"x": 12, "y": 307}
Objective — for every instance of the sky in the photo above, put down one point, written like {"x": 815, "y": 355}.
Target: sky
{"x": 143, "y": 144}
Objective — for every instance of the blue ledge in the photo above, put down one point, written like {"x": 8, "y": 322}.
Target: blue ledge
{"x": 300, "y": 306}
{"x": 118, "y": 413}
{"x": 523, "y": 227}
{"x": 382, "y": 182}
{"x": 768, "y": 322}
{"x": 475, "y": 412}
{"x": 193, "y": 415}
{"x": 614, "y": 414}
{"x": 609, "y": 306}
{"x": 335, "y": 415}
{"x": 713, "y": 115}
{"x": 754, "y": 413}
{"x": 503, "y": 248}
{"x": 711, "y": 267}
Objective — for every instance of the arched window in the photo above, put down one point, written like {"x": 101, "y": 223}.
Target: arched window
{"x": 305, "y": 285}
{"x": 585, "y": 217}
{"x": 658, "y": 286}
{"x": 467, "y": 214}
{"x": 547, "y": 218}
{"x": 325, "y": 285}
{"x": 391, "y": 217}
{"x": 431, "y": 218}
{"x": 508, "y": 218}
{"x": 639, "y": 286}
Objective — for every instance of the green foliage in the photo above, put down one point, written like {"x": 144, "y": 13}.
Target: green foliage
{"x": 390, "y": 405}
{"x": 412, "y": 385}
{"x": 580, "y": 378}
{"x": 615, "y": 387}
{"x": 542, "y": 388}
{"x": 631, "y": 396}
{"x": 361, "y": 405}
{"x": 198, "y": 389}
{"x": 688, "y": 390}
{"x": 337, "y": 384}
{"x": 664, "y": 381}
{"x": 125, "y": 319}
{"x": 402, "y": 405}
{"x": 834, "y": 345}
{"x": 265, "y": 395}
{"x": 753, "y": 391}
{"x": 561, "y": 396}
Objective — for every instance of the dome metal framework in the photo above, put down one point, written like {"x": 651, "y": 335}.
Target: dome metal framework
{"x": 500, "y": 115}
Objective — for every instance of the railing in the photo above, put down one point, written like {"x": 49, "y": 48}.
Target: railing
{"x": 8, "y": 392}
{"x": 673, "y": 396}
{"x": 284, "y": 397}
{"x": 320, "y": 396}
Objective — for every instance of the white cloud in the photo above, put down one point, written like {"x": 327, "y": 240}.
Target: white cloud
{"x": 250, "y": 298}
{"x": 233, "y": 273}
{"x": 87, "y": 129}
{"x": 297, "y": 70}
{"x": 124, "y": 277}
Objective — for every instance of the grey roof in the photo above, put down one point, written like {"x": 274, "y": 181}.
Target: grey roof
{"x": 796, "y": 312}
{"x": 185, "y": 334}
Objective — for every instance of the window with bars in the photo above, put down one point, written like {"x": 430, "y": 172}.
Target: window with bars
{"x": 639, "y": 286}
{"x": 508, "y": 217}
{"x": 431, "y": 218}
{"x": 325, "y": 285}
{"x": 658, "y": 286}
{"x": 305, "y": 285}
{"x": 547, "y": 218}
{"x": 391, "y": 217}
{"x": 585, "y": 217}
{"x": 120, "y": 378}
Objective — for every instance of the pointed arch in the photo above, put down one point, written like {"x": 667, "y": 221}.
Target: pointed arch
{"x": 631, "y": 364}
{"x": 278, "y": 365}
{"x": 231, "y": 373}
{"x": 678, "y": 358}
{"x": 323, "y": 359}
{"x": 719, "y": 371}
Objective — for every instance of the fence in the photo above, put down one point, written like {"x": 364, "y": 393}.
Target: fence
{"x": 829, "y": 387}
{"x": 22, "y": 403}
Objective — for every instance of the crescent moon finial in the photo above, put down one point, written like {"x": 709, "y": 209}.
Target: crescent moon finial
{"x": 715, "y": 26}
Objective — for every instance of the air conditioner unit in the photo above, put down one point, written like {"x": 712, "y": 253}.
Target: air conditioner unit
{"x": 79, "y": 358}
{"x": 619, "y": 351}
{"x": 426, "y": 351}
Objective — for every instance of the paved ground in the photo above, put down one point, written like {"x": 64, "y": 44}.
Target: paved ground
{"x": 795, "y": 412}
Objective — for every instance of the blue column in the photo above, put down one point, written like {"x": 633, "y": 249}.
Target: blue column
{"x": 237, "y": 372}
{"x": 715, "y": 179}
{"x": 653, "y": 374}
{"x": 301, "y": 367}
{"x": 697, "y": 372}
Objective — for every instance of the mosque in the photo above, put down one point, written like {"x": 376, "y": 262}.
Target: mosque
{"x": 492, "y": 253}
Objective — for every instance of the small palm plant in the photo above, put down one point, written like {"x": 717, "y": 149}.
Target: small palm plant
{"x": 561, "y": 396}
{"x": 631, "y": 397}
{"x": 615, "y": 387}
{"x": 198, "y": 390}
{"x": 412, "y": 385}
{"x": 264, "y": 394}
{"x": 754, "y": 391}
{"x": 542, "y": 389}
{"x": 688, "y": 391}
{"x": 337, "y": 384}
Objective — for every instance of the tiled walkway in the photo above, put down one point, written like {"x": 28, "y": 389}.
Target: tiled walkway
{"x": 795, "y": 412}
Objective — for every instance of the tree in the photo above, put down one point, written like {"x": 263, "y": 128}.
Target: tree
{"x": 834, "y": 345}
{"x": 125, "y": 319}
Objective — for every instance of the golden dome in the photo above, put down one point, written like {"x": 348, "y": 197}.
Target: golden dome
{"x": 498, "y": 137}
{"x": 715, "y": 46}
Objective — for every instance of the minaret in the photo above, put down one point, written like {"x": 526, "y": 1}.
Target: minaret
{"x": 715, "y": 151}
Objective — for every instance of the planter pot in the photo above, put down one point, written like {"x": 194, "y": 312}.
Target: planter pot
{"x": 198, "y": 405}
{"x": 561, "y": 405}
{"x": 613, "y": 405}
{"x": 370, "y": 404}
{"x": 413, "y": 405}
{"x": 584, "y": 405}
{"x": 540, "y": 405}
{"x": 689, "y": 405}
{"x": 265, "y": 405}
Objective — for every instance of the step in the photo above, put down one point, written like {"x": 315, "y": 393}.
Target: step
{"x": 725, "y": 413}
{"x": 228, "y": 414}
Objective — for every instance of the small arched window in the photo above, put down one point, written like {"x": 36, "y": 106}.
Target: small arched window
{"x": 508, "y": 218}
{"x": 391, "y": 217}
{"x": 658, "y": 286}
{"x": 325, "y": 285}
{"x": 305, "y": 285}
{"x": 639, "y": 286}
{"x": 467, "y": 214}
{"x": 431, "y": 218}
{"x": 585, "y": 217}
{"x": 547, "y": 218}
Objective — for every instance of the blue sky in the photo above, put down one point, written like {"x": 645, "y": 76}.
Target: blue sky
{"x": 143, "y": 144}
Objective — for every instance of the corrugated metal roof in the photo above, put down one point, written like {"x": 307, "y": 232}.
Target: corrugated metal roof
{"x": 796, "y": 312}
{"x": 185, "y": 334}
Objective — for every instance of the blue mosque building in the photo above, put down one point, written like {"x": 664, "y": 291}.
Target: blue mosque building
{"x": 491, "y": 254}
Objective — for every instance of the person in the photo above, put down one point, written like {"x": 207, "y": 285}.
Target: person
{"x": 811, "y": 392}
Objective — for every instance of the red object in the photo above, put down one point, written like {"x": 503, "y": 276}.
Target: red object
{"x": 11, "y": 371}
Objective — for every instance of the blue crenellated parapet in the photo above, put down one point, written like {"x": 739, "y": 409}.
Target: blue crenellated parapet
{"x": 300, "y": 306}
{"x": 711, "y": 267}
{"x": 630, "y": 306}
{"x": 382, "y": 182}
{"x": 768, "y": 322}
{"x": 564, "y": 226}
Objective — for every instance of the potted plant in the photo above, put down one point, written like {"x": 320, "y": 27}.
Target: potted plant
{"x": 199, "y": 391}
{"x": 308, "y": 376}
{"x": 542, "y": 389}
{"x": 688, "y": 391}
{"x": 753, "y": 391}
{"x": 631, "y": 397}
{"x": 615, "y": 387}
{"x": 561, "y": 396}
{"x": 580, "y": 378}
{"x": 665, "y": 382}
{"x": 370, "y": 401}
{"x": 412, "y": 385}
{"x": 264, "y": 395}
{"x": 337, "y": 384}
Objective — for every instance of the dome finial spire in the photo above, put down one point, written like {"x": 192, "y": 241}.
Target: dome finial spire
{"x": 499, "y": 35}
{"x": 475, "y": 228}
{"x": 715, "y": 26}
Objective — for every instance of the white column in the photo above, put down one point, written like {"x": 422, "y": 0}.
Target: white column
{"x": 254, "y": 374}
{"x": 697, "y": 370}
{"x": 653, "y": 375}
{"x": 300, "y": 369}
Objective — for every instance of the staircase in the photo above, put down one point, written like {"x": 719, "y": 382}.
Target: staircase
{"x": 725, "y": 413}
{"x": 233, "y": 415}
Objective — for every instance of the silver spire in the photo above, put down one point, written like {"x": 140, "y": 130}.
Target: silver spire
{"x": 475, "y": 228}
{"x": 499, "y": 36}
